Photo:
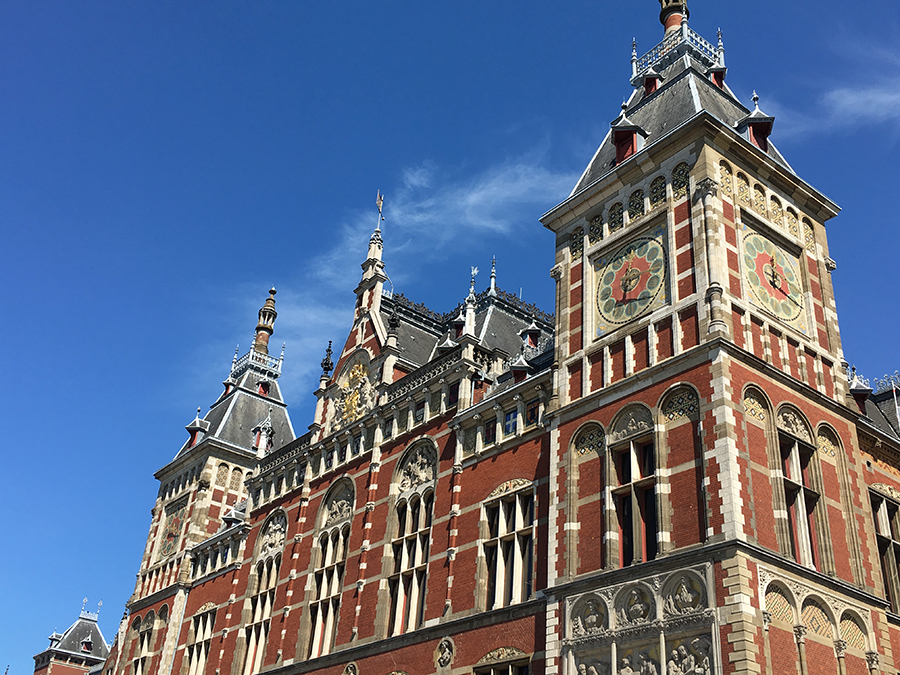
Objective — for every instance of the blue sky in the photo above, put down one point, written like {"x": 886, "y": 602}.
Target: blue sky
{"x": 162, "y": 164}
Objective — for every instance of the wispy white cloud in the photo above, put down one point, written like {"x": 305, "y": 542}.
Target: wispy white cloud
{"x": 429, "y": 214}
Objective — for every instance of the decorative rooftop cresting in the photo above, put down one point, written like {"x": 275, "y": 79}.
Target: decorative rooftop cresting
{"x": 672, "y": 44}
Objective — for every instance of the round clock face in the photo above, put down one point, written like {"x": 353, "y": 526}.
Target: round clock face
{"x": 631, "y": 281}
{"x": 773, "y": 277}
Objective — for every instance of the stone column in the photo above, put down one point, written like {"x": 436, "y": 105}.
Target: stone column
{"x": 707, "y": 190}
{"x": 800, "y": 635}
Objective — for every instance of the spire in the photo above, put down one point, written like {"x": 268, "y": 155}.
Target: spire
{"x": 673, "y": 14}
{"x": 494, "y": 275}
{"x": 266, "y": 325}
{"x": 327, "y": 363}
{"x": 469, "y": 328}
{"x": 376, "y": 244}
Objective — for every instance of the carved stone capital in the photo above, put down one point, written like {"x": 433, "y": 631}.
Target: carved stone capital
{"x": 840, "y": 646}
{"x": 451, "y": 553}
{"x": 370, "y": 506}
{"x": 800, "y": 633}
{"x": 556, "y": 273}
{"x": 706, "y": 188}
{"x": 202, "y": 485}
{"x": 767, "y": 619}
{"x": 457, "y": 468}
{"x": 872, "y": 660}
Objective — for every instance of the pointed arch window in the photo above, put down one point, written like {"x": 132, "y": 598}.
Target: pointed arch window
{"x": 632, "y": 471}
{"x": 411, "y": 542}
{"x": 508, "y": 546}
{"x": 333, "y": 545}
{"x": 141, "y": 663}
{"x": 801, "y": 487}
{"x": 202, "y": 627}
{"x": 260, "y": 606}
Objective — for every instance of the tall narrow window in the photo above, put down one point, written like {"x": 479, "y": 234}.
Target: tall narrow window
{"x": 141, "y": 662}
{"x": 334, "y": 540}
{"x": 887, "y": 529}
{"x": 201, "y": 636}
{"x": 509, "y": 548}
{"x": 634, "y": 495}
{"x": 411, "y": 543}
{"x": 258, "y": 611}
{"x": 504, "y": 669}
{"x": 800, "y": 485}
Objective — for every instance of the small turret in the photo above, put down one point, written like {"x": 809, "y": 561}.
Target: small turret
{"x": 266, "y": 325}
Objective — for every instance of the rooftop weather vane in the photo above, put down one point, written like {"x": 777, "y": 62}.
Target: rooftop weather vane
{"x": 474, "y": 274}
{"x": 379, "y": 202}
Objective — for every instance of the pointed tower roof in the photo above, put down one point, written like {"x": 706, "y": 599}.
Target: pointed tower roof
{"x": 690, "y": 72}
{"x": 251, "y": 391}
{"x": 80, "y": 641}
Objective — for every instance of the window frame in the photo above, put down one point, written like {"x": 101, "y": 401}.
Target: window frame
{"x": 630, "y": 484}
{"x": 509, "y": 552}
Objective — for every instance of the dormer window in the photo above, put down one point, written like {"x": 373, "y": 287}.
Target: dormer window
{"x": 87, "y": 645}
{"x": 757, "y": 126}
{"x": 627, "y": 137}
{"x": 264, "y": 388}
{"x": 651, "y": 82}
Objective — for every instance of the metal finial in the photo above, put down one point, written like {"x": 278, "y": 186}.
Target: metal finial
{"x": 283, "y": 345}
{"x": 474, "y": 274}
{"x": 379, "y": 202}
{"x": 756, "y": 99}
{"x": 327, "y": 363}
{"x": 83, "y": 603}
{"x": 198, "y": 417}
{"x": 633, "y": 48}
{"x": 719, "y": 33}
{"x": 494, "y": 266}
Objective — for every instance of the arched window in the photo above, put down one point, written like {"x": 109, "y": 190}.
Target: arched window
{"x": 853, "y": 632}
{"x": 886, "y": 511}
{"x": 636, "y": 204}
{"x": 200, "y": 638}
{"x": 333, "y": 543}
{"x": 142, "y": 655}
{"x": 595, "y": 232}
{"x": 508, "y": 547}
{"x": 412, "y": 522}
{"x": 800, "y": 486}
{"x": 809, "y": 236}
{"x": 681, "y": 178}
{"x": 658, "y": 192}
{"x": 616, "y": 217}
{"x": 632, "y": 471}
{"x": 222, "y": 475}
{"x": 265, "y": 581}
{"x": 725, "y": 178}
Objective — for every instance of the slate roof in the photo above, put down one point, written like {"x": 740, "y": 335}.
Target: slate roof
{"x": 686, "y": 90}
{"x": 73, "y": 639}
{"x": 882, "y": 412}
{"x": 499, "y": 319}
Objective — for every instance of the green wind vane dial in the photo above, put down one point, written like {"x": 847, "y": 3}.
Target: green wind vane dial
{"x": 631, "y": 283}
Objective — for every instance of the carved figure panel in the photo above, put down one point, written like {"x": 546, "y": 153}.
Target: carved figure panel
{"x": 510, "y": 486}
{"x": 418, "y": 468}
{"x": 502, "y": 654}
{"x": 636, "y": 421}
{"x": 589, "y": 616}
{"x": 339, "y": 505}
{"x": 685, "y": 594}
{"x": 273, "y": 535}
{"x": 690, "y": 656}
{"x": 444, "y": 653}
{"x": 791, "y": 422}
{"x": 634, "y": 606}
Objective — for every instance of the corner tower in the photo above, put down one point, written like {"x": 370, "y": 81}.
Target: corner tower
{"x": 202, "y": 495}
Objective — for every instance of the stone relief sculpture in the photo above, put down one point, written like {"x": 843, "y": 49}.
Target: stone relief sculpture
{"x": 789, "y": 420}
{"x": 502, "y": 654}
{"x": 590, "y": 617}
{"x": 418, "y": 468}
{"x": 339, "y": 506}
{"x": 272, "y": 538}
{"x": 672, "y": 604}
{"x": 636, "y": 421}
{"x": 445, "y": 653}
{"x": 351, "y": 669}
{"x": 636, "y": 607}
{"x": 687, "y": 596}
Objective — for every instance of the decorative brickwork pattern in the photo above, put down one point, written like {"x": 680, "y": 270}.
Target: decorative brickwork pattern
{"x": 590, "y": 439}
{"x": 778, "y": 605}
{"x": 681, "y": 404}
{"x": 852, "y": 633}
{"x": 816, "y": 619}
